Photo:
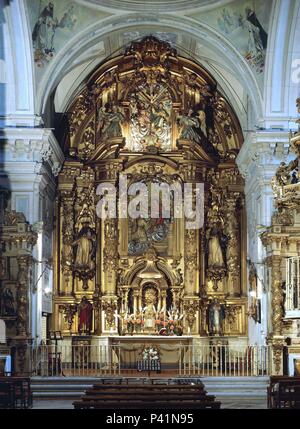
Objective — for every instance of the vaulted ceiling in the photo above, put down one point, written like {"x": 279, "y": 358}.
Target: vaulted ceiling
{"x": 226, "y": 37}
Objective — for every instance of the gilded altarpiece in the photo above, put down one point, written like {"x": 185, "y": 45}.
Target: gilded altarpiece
{"x": 153, "y": 117}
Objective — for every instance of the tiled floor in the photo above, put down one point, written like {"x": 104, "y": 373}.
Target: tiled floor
{"x": 232, "y": 403}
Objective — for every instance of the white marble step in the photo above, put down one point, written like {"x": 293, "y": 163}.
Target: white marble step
{"x": 251, "y": 387}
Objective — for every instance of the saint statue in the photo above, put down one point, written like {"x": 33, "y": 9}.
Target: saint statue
{"x": 112, "y": 127}
{"x": 150, "y": 299}
{"x": 215, "y": 238}
{"x": 7, "y": 303}
{"x": 215, "y": 254}
{"x": 216, "y": 316}
{"x": 85, "y": 248}
{"x": 85, "y": 316}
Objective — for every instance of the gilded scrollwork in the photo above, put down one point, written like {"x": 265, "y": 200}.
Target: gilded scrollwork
{"x": 110, "y": 308}
{"x": 87, "y": 146}
{"x": 191, "y": 309}
{"x": 232, "y": 233}
{"x": 277, "y": 295}
{"x": 79, "y": 112}
{"x": 231, "y": 312}
{"x": 110, "y": 253}
{"x": 68, "y": 234}
{"x": 69, "y": 311}
{"x": 277, "y": 348}
{"x": 24, "y": 262}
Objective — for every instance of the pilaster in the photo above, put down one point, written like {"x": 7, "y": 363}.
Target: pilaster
{"x": 258, "y": 160}
{"x": 30, "y": 161}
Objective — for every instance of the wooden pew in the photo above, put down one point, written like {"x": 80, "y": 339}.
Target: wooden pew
{"x": 21, "y": 390}
{"x": 7, "y": 396}
{"x": 284, "y": 392}
{"x": 147, "y": 397}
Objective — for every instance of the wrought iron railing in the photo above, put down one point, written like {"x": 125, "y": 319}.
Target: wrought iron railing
{"x": 187, "y": 360}
{"x": 76, "y": 360}
{"x": 224, "y": 360}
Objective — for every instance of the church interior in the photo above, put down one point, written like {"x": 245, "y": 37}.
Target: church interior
{"x": 149, "y": 204}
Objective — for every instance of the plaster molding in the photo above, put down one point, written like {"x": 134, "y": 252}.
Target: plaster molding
{"x": 264, "y": 149}
{"x": 35, "y": 145}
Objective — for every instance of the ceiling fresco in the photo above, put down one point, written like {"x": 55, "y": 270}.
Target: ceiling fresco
{"x": 54, "y": 23}
{"x": 244, "y": 23}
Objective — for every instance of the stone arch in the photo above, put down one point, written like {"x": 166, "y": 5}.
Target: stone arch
{"x": 82, "y": 41}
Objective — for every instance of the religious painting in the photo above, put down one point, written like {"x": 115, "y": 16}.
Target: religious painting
{"x": 245, "y": 23}
{"x": 146, "y": 231}
{"x": 45, "y": 28}
{"x": 53, "y": 23}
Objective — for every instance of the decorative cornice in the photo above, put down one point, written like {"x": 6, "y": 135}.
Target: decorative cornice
{"x": 37, "y": 145}
{"x": 263, "y": 149}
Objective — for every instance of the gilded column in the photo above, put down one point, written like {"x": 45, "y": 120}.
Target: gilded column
{"x": 67, "y": 204}
{"x": 24, "y": 262}
{"x": 276, "y": 339}
{"x": 110, "y": 256}
{"x": 233, "y": 246}
{"x": 277, "y": 297}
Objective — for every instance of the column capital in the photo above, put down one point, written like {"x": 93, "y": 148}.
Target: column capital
{"x": 262, "y": 151}
{"x": 22, "y": 146}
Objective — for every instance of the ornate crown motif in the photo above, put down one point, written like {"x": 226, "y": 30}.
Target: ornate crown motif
{"x": 151, "y": 51}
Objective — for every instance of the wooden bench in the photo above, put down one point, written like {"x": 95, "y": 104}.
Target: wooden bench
{"x": 7, "y": 397}
{"x": 149, "y": 387}
{"x": 20, "y": 386}
{"x": 284, "y": 392}
{"x": 147, "y": 397}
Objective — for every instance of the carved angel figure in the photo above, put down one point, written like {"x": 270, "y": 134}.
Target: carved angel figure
{"x": 188, "y": 124}
{"x": 112, "y": 127}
